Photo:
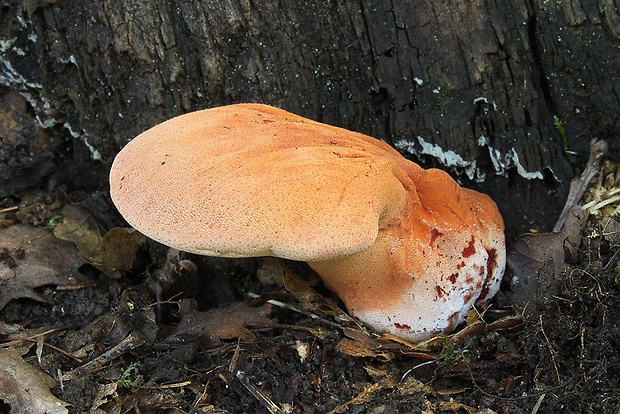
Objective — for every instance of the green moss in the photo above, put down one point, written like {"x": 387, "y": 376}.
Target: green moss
{"x": 54, "y": 221}
{"x": 559, "y": 126}
{"x": 127, "y": 380}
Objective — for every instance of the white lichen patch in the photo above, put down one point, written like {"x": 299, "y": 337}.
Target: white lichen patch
{"x": 6, "y": 44}
{"x": 70, "y": 59}
{"x": 448, "y": 158}
{"x": 520, "y": 169}
{"x": 94, "y": 153}
{"x": 11, "y": 78}
{"x": 502, "y": 162}
{"x": 485, "y": 100}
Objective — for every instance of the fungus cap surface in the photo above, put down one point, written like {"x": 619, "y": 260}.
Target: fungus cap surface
{"x": 252, "y": 180}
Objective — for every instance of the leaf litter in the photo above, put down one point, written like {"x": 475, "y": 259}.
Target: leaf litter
{"x": 111, "y": 253}
{"x": 305, "y": 354}
{"x": 212, "y": 327}
{"x": 539, "y": 260}
{"x": 31, "y": 257}
{"x": 25, "y": 388}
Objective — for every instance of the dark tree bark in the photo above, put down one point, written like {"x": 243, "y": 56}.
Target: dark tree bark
{"x": 473, "y": 86}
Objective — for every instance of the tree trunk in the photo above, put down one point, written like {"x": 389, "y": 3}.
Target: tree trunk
{"x": 475, "y": 87}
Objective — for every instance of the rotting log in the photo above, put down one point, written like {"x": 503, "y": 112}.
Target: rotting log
{"x": 475, "y": 87}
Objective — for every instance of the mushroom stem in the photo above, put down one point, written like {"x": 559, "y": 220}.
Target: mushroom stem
{"x": 422, "y": 274}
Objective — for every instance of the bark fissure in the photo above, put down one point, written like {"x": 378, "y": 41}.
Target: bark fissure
{"x": 473, "y": 85}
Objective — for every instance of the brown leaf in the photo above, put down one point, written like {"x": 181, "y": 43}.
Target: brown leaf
{"x": 32, "y": 257}
{"x": 455, "y": 407}
{"x": 134, "y": 314}
{"x": 611, "y": 230}
{"x": 310, "y": 300}
{"x": 118, "y": 250}
{"x": 212, "y": 326}
{"x": 25, "y": 388}
{"x": 81, "y": 228}
{"x": 360, "y": 344}
{"x": 9, "y": 329}
{"x": 473, "y": 329}
{"x": 112, "y": 253}
{"x": 368, "y": 394}
{"x": 538, "y": 261}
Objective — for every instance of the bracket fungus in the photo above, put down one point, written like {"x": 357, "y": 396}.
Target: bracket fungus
{"x": 407, "y": 250}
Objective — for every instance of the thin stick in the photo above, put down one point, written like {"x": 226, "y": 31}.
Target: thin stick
{"x": 262, "y": 398}
{"x": 538, "y": 404}
{"x": 34, "y": 339}
{"x": 578, "y": 185}
{"x": 131, "y": 341}
{"x": 551, "y": 350}
{"x": 297, "y": 309}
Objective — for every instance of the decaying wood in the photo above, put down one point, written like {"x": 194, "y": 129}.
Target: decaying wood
{"x": 476, "y": 86}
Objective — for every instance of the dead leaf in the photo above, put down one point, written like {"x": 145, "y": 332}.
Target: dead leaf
{"x": 103, "y": 392}
{"x": 134, "y": 314}
{"x": 39, "y": 213}
{"x": 473, "y": 329}
{"x": 368, "y": 394}
{"x": 25, "y": 388}
{"x": 611, "y": 230}
{"x": 112, "y": 254}
{"x": 235, "y": 321}
{"x": 32, "y": 257}
{"x": 355, "y": 348}
{"x": 538, "y": 261}
{"x": 80, "y": 227}
{"x": 118, "y": 250}
{"x": 455, "y": 407}
{"x": 508, "y": 323}
{"x": 602, "y": 198}
{"x": 310, "y": 300}
{"x": 271, "y": 272}
{"x": 359, "y": 349}
{"x": 409, "y": 388}
{"x": 359, "y": 344}
{"x": 275, "y": 271}
{"x": 9, "y": 329}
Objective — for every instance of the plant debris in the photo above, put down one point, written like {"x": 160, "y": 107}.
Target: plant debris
{"x": 211, "y": 327}
{"x": 112, "y": 253}
{"x": 25, "y": 388}
{"x": 31, "y": 257}
{"x": 292, "y": 348}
